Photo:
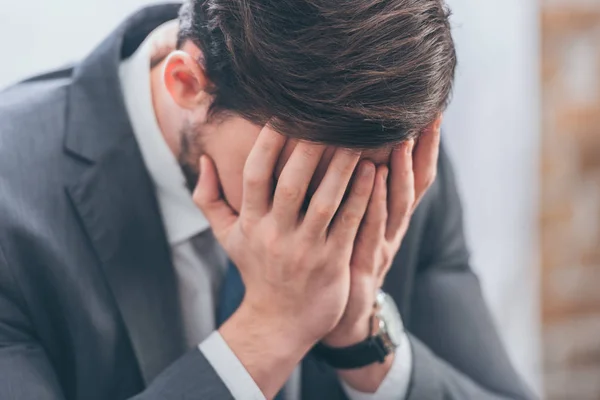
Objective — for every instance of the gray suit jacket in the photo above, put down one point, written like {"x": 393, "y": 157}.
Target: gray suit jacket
{"x": 88, "y": 302}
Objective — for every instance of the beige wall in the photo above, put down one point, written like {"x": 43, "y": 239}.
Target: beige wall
{"x": 570, "y": 213}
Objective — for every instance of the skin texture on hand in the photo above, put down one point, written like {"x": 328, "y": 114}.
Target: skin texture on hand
{"x": 294, "y": 265}
{"x": 395, "y": 197}
{"x": 312, "y": 275}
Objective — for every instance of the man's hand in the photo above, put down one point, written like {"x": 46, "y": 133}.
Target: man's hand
{"x": 386, "y": 221}
{"x": 294, "y": 265}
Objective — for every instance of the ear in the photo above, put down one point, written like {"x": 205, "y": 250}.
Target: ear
{"x": 185, "y": 79}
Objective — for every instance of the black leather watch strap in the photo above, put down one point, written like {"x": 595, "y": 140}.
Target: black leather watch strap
{"x": 359, "y": 355}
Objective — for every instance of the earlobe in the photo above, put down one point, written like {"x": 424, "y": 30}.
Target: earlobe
{"x": 184, "y": 79}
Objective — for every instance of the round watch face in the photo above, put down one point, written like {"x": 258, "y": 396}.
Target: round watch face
{"x": 390, "y": 319}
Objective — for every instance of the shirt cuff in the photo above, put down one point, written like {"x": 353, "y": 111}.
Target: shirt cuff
{"x": 229, "y": 368}
{"x": 395, "y": 384}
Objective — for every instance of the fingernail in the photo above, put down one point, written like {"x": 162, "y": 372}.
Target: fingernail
{"x": 409, "y": 146}
{"x": 366, "y": 169}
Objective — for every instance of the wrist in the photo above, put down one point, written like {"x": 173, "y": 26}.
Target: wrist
{"x": 344, "y": 350}
{"x": 349, "y": 333}
{"x": 269, "y": 347}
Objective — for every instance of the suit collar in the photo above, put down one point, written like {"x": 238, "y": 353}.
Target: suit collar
{"x": 183, "y": 219}
{"x": 115, "y": 202}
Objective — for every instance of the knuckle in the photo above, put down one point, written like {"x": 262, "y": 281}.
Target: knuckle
{"x": 275, "y": 252}
{"x": 309, "y": 237}
{"x": 271, "y": 237}
{"x": 288, "y": 192}
{"x": 351, "y": 218}
{"x": 253, "y": 179}
{"x": 247, "y": 225}
{"x": 324, "y": 211}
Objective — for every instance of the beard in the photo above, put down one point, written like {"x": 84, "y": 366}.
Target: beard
{"x": 189, "y": 155}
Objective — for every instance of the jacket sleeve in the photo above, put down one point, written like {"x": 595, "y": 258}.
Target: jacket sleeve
{"x": 26, "y": 373}
{"x": 457, "y": 353}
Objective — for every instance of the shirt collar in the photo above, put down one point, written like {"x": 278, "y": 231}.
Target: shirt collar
{"x": 181, "y": 217}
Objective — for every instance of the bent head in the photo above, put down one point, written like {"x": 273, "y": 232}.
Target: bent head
{"x": 364, "y": 74}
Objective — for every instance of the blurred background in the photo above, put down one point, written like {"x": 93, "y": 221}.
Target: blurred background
{"x": 524, "y": 133}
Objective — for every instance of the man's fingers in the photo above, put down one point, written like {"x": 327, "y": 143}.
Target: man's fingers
{"x": 373, "y": 226}
{"x": 401, "y": 188}
{"x": 293, "y": 183}
{"x": 258, "y": 172}
{"x": 348, "y": 220}
{"x": 326, "y": 200}
{"x": 209, "y": 198}
{"x": 426, "y": 158}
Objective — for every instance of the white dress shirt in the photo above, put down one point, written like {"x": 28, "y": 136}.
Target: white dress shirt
{"x": 200, "y": 273}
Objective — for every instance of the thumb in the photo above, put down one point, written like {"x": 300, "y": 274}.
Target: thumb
{"x": 209, "y": 198}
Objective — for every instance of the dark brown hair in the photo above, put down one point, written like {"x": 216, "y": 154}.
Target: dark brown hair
{"x": 352, "y": 73}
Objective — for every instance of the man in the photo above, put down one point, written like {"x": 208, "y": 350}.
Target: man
{"x": 308, "y": 132}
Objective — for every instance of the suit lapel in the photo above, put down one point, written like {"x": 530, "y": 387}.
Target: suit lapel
{"x": 115, "y": 199}
{"x": 117, "y": 207}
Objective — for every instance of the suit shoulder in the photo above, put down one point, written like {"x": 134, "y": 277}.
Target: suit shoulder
{"x": 32, "y": 127}
{"x": 24, "y": 100}
{"x": 32, "y": 116}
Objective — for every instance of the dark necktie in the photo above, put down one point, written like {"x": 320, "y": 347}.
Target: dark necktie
{"x": 232, "y": 293}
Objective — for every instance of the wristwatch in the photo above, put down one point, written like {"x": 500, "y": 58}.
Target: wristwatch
{"x": 386, "y": 331}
